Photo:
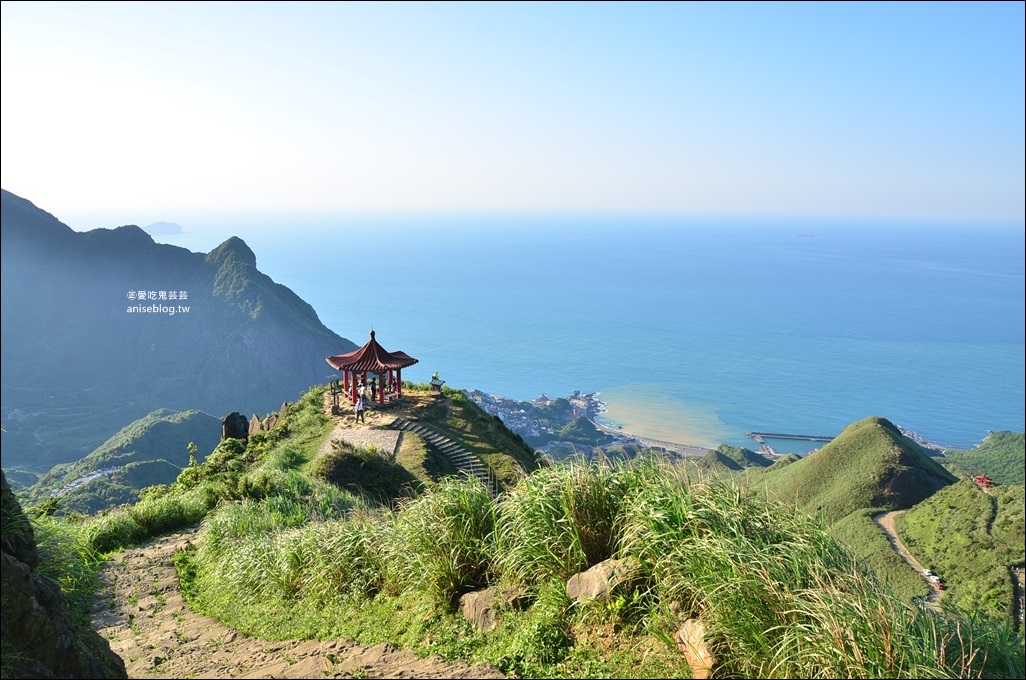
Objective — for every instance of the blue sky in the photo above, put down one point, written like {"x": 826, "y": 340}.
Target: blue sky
{"x": 139, "y": 112}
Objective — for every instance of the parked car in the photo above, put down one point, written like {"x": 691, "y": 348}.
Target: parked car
{"x": 927, "y": 572}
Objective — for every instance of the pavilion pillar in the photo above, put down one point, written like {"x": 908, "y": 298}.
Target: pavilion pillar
{"x": 399, "y": 383}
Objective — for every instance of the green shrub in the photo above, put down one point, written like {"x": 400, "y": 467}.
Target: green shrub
{"x": 542, "y": 637}
{"x": 365, "y": 472}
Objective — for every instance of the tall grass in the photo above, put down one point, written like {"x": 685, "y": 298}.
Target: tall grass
{"x": 131, "y": 525}
{"x": 347, "y": 558}
{"x": 256, "y": 553}
{"x": 66, "y": 556}
{"x": 557, "y": 522}
{"x": 441, "y": 541}
{"x": 778, "y": 596}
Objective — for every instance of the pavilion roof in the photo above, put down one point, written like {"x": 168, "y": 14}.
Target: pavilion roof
{"x": 371, "y": 358}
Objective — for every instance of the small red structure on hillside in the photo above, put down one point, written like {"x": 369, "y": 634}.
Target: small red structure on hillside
{"x": 372, "y": 358}
{"x": 983, "y": 481}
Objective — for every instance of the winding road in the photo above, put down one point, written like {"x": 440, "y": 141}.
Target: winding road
{"x": 886, "y": 522}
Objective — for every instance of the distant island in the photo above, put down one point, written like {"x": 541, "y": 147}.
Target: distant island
{"x": 163, "y": 229}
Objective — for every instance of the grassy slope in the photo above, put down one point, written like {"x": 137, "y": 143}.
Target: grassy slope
{"x": 395, "y": 577}
{"x": 731, "y": 459}
{"x": 869, "y": 465}
{"x": 459, "y": 418}
{"x": 1001, "y": 456}
{"x": 301, "y": 558}
{"x": 869, "y": 468}
{"x": 970, "y": 538}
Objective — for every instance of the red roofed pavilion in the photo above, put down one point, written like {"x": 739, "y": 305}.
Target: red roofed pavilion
{"x": 372, "y": 358}
{"x": 983, "y": 481}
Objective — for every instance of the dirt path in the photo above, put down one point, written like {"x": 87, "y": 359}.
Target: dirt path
{"x": 1019, "y": 596}
{"x": 144, "y": 616}
{"x": 886, "y": 522}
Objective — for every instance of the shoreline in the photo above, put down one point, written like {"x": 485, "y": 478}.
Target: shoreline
{"x": 543, "y": 417}
{"x": 692, "y": 450}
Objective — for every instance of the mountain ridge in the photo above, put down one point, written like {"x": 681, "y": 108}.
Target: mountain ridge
{"x": 83, "y": 355}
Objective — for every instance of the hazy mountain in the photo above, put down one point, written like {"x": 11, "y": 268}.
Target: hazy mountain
{"x": 83, "y": 355}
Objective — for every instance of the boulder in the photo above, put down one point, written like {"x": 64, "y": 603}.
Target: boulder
{"x": 234, "y": 426}
{"x": 691, "y": 640}
{"x": 482, "y": 607}
{"x": 479, "y": 608}
{"x": 599, "y": 582}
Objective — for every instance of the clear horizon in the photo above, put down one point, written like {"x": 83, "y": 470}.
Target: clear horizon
{"x": 134, "y": 113}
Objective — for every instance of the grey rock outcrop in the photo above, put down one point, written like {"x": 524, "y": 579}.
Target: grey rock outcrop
{"x": 479, "y": 608}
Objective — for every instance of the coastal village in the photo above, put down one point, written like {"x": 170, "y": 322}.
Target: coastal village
{"x": 567, "y": 427}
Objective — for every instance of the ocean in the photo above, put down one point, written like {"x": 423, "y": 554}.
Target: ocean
{"x": 692, "y": 330}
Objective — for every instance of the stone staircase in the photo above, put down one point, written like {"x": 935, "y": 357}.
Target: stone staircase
{"x": 463, "y": 460}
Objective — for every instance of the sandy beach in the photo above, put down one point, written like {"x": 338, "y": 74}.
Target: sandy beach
{"x": 646, "y": 413}
{"x": 680, "y": 449}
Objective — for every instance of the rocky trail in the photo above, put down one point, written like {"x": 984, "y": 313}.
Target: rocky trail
{"x": 144, "y": 616}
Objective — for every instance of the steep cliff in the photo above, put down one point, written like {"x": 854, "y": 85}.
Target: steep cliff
{"x": 37, "y": 632}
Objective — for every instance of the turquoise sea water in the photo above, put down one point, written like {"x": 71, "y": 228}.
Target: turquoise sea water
{"x": 692, "y": 331}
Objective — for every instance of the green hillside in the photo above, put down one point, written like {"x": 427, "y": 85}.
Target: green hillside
{"x": 299, "y": 557}
{"x": 785, "y": 460}
{"x": 869, "y": 465}
{"x": 970, "y": 537}
{"x": 1001, "y": 456}
{"x": 151, "y": 450}
{"x": 732, "y": 459}
{"x": 868, "y": 469}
